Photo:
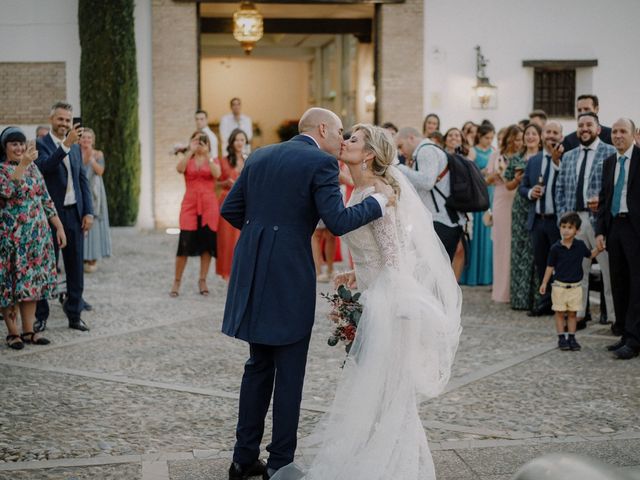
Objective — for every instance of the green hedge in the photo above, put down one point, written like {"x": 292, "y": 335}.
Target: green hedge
{"x": 109, "y": 98}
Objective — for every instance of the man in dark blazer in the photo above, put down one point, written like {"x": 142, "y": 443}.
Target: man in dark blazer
{"x": 586, "y": 103}
{"x": 618, "y": 228}
{"x": 281, "y": 194}
{"x": 60, "y": 161}
{"x": 542, "y": 219}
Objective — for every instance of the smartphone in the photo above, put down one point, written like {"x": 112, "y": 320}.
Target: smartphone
{"x": 76, "y": 120}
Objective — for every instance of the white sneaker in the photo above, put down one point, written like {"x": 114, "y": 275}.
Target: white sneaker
{"x": 323, "y": 278}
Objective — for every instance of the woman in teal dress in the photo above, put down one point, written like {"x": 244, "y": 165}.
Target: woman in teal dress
{"x": 523, "y": 290}
{"x": 479, "y": 269}
{"x": 27, "y": 258}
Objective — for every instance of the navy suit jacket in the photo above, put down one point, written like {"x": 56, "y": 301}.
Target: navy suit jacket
{"x": 282, "y": 192}
{"x": 603, "y": 224}
{"x": 51, "y": 165}
{"x": 529, "y": 180}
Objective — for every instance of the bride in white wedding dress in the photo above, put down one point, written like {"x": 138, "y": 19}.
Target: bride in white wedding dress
{"x": 406, "y": 340}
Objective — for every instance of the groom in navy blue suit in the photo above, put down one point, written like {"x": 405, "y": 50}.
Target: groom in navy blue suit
{"x": 281, "y": 194}
{"x": 60, "y": 161}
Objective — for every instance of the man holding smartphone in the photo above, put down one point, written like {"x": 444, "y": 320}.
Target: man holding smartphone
{"x": 60, "y": 161}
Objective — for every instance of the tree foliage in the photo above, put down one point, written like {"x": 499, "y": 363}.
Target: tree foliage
{"x": 109, "y": 98}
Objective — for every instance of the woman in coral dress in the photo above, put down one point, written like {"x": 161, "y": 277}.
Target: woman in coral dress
{"x": 231, "y": 167}
{"x": 200, "y": 212}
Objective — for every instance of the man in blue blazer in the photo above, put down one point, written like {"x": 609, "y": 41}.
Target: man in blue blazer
{"x": 538, "y": 185}
{"x": 60, "y": 161}
{"x": 579, "y": 182}
{"x": 281, "y": 194}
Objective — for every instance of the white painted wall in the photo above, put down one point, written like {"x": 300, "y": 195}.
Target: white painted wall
{"x": 272, "y": 90}
{"x": 43, "y": 31}
{"x": 512, "y": 31}
{"x": 47, "y": 31}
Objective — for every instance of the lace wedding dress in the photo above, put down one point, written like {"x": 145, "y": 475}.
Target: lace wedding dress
{"x": 405, "y": 345}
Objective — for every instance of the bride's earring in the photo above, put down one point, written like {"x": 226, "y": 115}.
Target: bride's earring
{"x": 363, "y": 167}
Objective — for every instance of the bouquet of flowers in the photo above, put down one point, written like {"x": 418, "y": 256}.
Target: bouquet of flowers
{"x": 345, "y": 314}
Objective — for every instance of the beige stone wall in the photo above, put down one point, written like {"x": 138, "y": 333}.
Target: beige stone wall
{"x": 175, "y": 99}
{"x": 400, "y": 62}
{"x": 29, "y": 90}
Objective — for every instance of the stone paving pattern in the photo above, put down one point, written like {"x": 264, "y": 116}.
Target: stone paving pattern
{"x": 151, "y": 391}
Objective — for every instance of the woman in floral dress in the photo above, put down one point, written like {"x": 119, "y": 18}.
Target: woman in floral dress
{"x": 523, "y": 290}
{"x": 27, "y": 258}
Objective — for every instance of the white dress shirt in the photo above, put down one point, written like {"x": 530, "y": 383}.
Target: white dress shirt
{"x": 70, "y": 193}
{"x": 587, "y": 171}
{"x": 228, "y": 123}
{"x": 548, "y": 197}
{"x": 624, "y": 208}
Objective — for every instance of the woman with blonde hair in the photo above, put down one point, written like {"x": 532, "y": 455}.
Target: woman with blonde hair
{"x": 97, "y": 242}
{"x": 406, "y": 338}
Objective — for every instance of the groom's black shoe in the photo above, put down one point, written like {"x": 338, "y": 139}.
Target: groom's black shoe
{"x": 238, "y": 471}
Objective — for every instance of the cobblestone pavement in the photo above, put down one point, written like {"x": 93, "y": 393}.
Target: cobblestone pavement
{"x": 151, "y": 391}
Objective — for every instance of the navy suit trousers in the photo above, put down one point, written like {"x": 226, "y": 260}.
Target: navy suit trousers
{"x": 623, "y": 246}
{"x": 73, "y": 257}
{"x": 284, "y": 366}
{"x": 545, "y": 233}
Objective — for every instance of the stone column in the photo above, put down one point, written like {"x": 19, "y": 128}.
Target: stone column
{"x": 400, "y": 63}
{"x": 175, "y": 99}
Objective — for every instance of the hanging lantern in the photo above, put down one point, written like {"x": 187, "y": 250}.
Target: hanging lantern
{"x": 247, "y": 26}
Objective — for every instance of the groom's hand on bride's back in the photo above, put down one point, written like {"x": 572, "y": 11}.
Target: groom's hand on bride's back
{"x": 387, "y": 191}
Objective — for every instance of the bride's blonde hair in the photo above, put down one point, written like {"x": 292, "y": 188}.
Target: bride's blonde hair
{"x": 378, "y": 141}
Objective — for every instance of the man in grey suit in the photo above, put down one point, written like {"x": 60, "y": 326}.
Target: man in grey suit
{"x": 579, "y": 185}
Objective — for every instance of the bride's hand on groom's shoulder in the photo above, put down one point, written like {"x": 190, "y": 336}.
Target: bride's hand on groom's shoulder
{"x": 387, "y": 191}
{"x": 348, "y": 279}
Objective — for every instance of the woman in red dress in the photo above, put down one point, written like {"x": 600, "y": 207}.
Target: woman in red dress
{"x": 231, "y": 167}
{"x": 199, "y": 212}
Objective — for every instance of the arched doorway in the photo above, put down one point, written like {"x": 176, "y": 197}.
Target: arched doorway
{"x": 310, "y": 55}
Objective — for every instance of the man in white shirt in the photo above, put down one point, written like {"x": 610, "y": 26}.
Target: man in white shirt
{"x": 202, "y": 124}
{"x": 426, "y": 170}
{"x": 233, "y": 120}
{"x": 579, "y": 184}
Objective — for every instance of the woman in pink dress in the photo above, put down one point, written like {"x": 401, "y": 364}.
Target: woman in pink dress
{"x": 502, "y": 204}
{"x": 231, "y": 166}
{"x": 199, "y": 212}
